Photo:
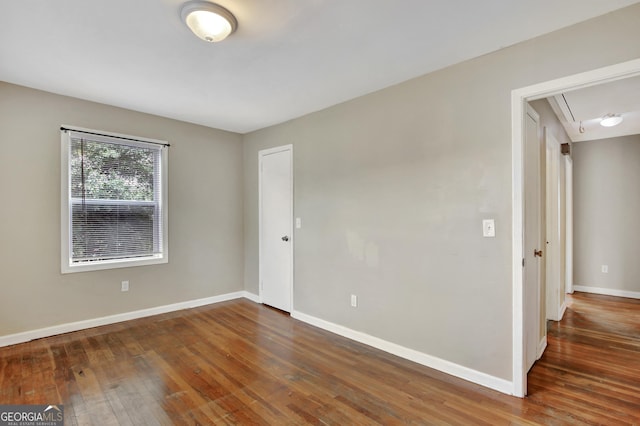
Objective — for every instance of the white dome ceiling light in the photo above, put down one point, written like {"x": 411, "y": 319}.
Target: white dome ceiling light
{"x": 209, "y": 21}
{"x": 611, "y": 120}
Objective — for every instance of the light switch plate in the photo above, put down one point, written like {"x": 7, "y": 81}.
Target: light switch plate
{"x": 488, "y": 228}
{"x": 298, "y": 223}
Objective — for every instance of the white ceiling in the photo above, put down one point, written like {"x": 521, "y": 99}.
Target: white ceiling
{"x": 288, "y": 57}
{"x": 586, "y": 107}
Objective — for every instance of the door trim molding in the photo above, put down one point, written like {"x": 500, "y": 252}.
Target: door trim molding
{"x": 261, "y": 154}
{"x": 519, "y": 97}
{"x": 569, "y": 223}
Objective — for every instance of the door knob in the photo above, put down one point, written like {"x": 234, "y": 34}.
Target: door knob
{"x": 285, "y": 238}
{"x": 537, "y": 253}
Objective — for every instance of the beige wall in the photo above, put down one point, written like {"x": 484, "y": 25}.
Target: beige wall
{"x": 205, "y": 214}
{"x": 607, "y": 209}
{"x": 392, "y": 188}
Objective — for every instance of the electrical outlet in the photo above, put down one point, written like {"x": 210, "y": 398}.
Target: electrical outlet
{"x": 605, "y": 269}
{"x": 124, "y": 286}
{"x": 354, "y": 301}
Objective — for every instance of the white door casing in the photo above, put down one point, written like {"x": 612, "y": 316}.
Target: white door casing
{"x": 276, "y": 227}
{"x": 568, "y": 169}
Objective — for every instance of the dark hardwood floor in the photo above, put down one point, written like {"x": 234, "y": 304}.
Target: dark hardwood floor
{"x": 242, "y": 363}
{"x": 590, "y": 372}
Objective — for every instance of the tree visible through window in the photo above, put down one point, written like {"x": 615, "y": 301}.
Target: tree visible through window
{"x": 115, "y": 199}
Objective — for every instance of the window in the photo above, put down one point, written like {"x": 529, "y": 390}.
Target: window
{"x": 114, "y": 211}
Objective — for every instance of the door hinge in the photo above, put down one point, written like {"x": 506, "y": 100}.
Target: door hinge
{"x": 523, "y": 262}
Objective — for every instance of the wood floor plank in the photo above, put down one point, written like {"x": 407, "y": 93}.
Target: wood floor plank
{"x": 238, "y": 362}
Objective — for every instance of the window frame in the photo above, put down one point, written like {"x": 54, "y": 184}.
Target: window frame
{"x": 67, "y": 263}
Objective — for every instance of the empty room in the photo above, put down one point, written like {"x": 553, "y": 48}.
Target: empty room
{"x": 319, "y": 212}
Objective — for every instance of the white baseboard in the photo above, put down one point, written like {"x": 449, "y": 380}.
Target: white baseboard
{"x": 12, "y": 339}
{"x": 448, "y": 367}
{"x": 563, "y": 309}
{"x": 251, "y": 296}
{"x": 496, "y": 383}
{"x": 608, "y": 291}
{"x": 542, "y": 345}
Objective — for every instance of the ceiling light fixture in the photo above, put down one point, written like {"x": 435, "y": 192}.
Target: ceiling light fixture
{"x": 208, "y": 21}
{"x": 611, "y": 120}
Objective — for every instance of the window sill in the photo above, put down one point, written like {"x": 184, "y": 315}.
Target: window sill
{"x": 69, "y": 267}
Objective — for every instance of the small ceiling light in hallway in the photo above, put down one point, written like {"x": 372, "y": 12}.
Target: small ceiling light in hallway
{"x": 611, "y": 120}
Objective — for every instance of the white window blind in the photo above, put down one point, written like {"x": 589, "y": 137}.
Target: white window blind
{"x": 115, "y": 206}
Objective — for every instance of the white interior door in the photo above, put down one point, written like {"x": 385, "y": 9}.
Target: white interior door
{"x": 553, "y": 228}
{"x": 532, "y": 226}
{"x": 276, "y": 236}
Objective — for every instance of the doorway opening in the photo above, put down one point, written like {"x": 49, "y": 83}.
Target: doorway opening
{"x": 519, "y": 99}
